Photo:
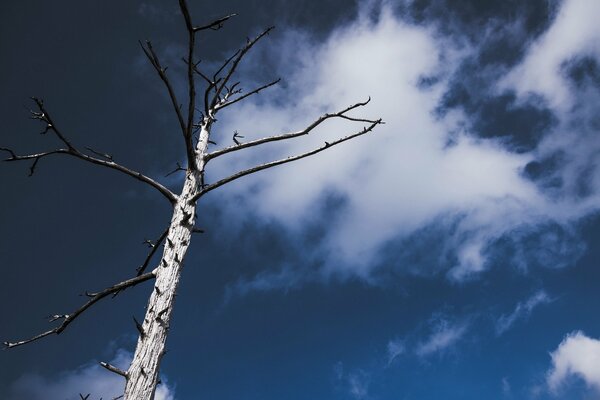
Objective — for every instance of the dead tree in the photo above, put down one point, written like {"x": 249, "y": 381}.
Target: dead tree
{"x": 218, "y": 91}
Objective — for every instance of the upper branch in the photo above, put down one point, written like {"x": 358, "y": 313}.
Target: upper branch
{"x": 271, "y": 164}
{"x": 306, "y": 131}
{"x": 236, "y": 60}
{"x": 215, "y": 25}
{"x": 106, "y": 160}
{"x": 94, "y": 298}
{"x": 255, "y": 91}
{"x": 191, "y": 86}
{"x": 162, "y": 73}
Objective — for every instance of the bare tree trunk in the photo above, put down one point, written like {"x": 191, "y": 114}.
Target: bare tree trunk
{"x": 142, "y": 375}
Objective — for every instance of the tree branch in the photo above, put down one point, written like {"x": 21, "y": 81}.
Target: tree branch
{"x": 71, "y": 150}
{"x": 271, "y": 164}
{"x": 215, "y": 25}
{"x": 154, "y": 247}
{"x": 236, "y": 60}
{"x": 114, "y": 369}
{"x": 94, "y": 298}
{"x": 255, "y": 91}
{"x": 306, "y": 131}
{"x": 162, "y": 73}
{"x": 191, "y": 85}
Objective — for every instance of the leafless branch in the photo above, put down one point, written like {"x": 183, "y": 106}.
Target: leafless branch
{"x": 255, "y": 91}
{"x": 179, "y": 168}
{"x": 114, "y": 369}
{"x": 215, "y": 25}
{"x": 271, "y": 164}
{"x": 104, "y": 155}
{"x": 162, "y": 73}
{"x": 306, "y": 131}
{"x": 73, "y": 151}
{"x": 191, "y": 85}
{"x": 236, "y": 60}
{"x": 94, "y": 298}
{"x": 140, "y": 270}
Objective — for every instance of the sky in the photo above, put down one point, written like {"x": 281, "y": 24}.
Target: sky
{"x": 451, "y": 253}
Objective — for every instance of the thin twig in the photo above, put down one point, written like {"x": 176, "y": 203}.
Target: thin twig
{"x": 140, "y": 270}
{"x": 68, "y": 318}
{"x": 215, "y": 25}
{"x": 255, "y": 91}
{"x": 114, "y": 369}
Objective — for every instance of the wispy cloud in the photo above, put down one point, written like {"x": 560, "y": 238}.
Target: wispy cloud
{"x": 395, "y": 348}
{"x": 521, "y": 311}
{"x": 577, "y": 355}
{"x": 355, "y": 383}
{"x": 88, "y": 378}
{"x": 444, "y": 335}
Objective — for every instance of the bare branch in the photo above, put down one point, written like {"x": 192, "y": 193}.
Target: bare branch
{"x": 68, "y": 318}
{"x": 255, "y": 91}
{"x": 179, "y": 168}
{"x": 114, "y": 369}
{"x": 73, "y": 151}
{"x": 191, "y": 85}
{"x": 162, "y": 73}
{"x": 155, "y": 246}
{"x": 215, "y": 25}
{"x": 271, "y": 164}
{"x": 104, "y": 155}
{"x": 43, "y": 116}
{"x": 35, "y": 157}
{"x": 306, "y": 131}
{"x": 236, "y": 61}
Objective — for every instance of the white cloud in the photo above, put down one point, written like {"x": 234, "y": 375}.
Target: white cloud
{"x": 444, "y": 336}
{"x": 522, "y": 310}
{"x": 89, "y": 378}
{"x": 411, "y": 172}
{"x": 574, "y": 33}
{"x": 577, "y": 355}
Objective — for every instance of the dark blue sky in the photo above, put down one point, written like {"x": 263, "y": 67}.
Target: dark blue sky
{"x": 452, "y": 254}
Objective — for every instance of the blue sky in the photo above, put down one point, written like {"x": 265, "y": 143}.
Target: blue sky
{"x": 451, "y": 253}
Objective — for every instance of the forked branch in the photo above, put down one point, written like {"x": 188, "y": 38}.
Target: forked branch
{"x": 104, "y": 160}
{"x": 67, "y": 319}
{"x": 271, "y": 164}
{"x": 306, "y": 131}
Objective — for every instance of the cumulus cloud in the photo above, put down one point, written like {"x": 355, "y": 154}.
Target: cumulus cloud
{"x": 88, "y": 378}
{"x": 577, "y": 355}
{"x": 522, "y": 310}
{"x": 417, "y": 170}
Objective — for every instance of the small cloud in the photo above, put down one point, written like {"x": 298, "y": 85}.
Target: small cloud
{"x": 444, "y": 336}
{"x": 577, "y": 355}
{"x": 88, "y": 378}
{"x": 522, "y": 310}
{"x": 506, "y": 388}
{"x": 395, "y": 348}
{"x": 358, "y": 384}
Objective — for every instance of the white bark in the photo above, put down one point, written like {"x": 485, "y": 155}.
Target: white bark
{"x": 142, "y": 375}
